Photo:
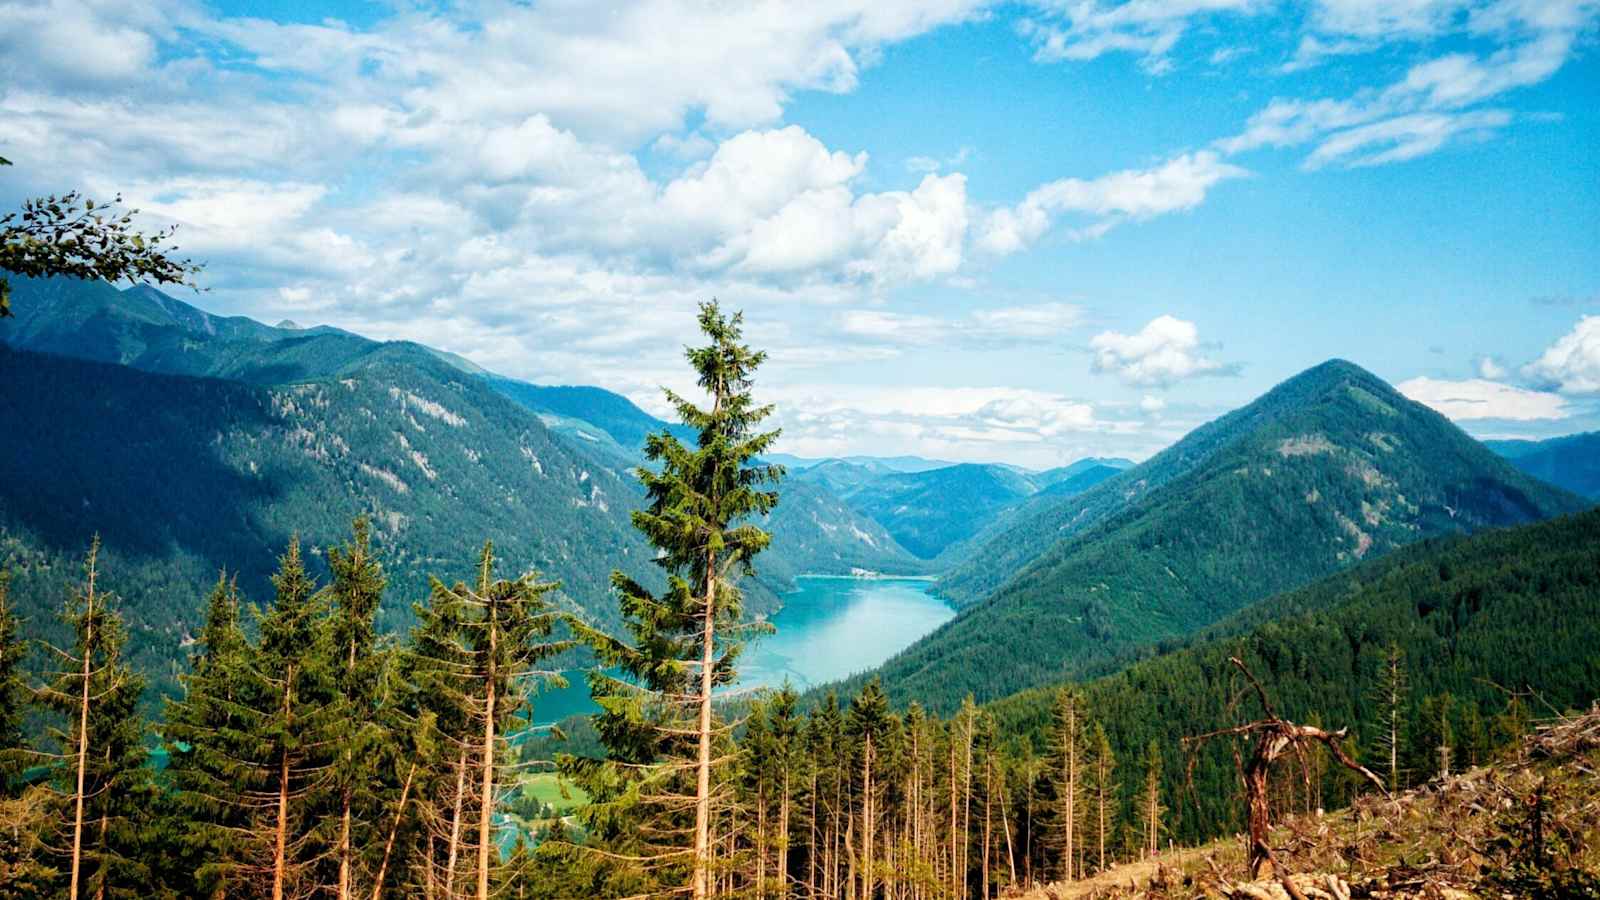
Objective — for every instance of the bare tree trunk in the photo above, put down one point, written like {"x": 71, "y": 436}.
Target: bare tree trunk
{"x": 955, "y": 883}
{"x": 486, "y": 802}
{"x": 783, "y": 838}
{"x": 867, "y": 824}
{"x": 394, "y": 829}
{"x": 988, "y": 798}
{"x": 1005, "y": 824}
{"x": 455, "y": 826}
{"x": 83, "y": 732}
{"x": 702, "y": 797}
{"x": 280, "y": 856}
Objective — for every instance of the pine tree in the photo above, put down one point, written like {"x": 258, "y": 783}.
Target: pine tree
{"x": 286, "y": 775}
{"x": 1068, "y": 737}
{"x": 98, "y": 693}
{"x": 1389, "y": 694}
{"x": 13, "y": 691}
{"x": 659, "y": 721}
{"x": 1150, "y": 808}
{"x": 357, "y": 593}
{"x": 1103, "y": 774}
{"x": 203, "y": 735}
{"x": 868, "y": 724}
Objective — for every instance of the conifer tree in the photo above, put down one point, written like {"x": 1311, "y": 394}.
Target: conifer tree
{"x": 659, "y": 721}
{"x": 1389, "y": 694}
{"x": 98, "y": 693}
{"x": 291, "y": 749}
{"x": 357, "y": 593}
{"x": 1068, "y": 736}
{"x": 1103, "y": 773}
{"x": 13, "y": 690}
{"x": 203, "y": 735}
{"x": 868, "y": 724}
{"x": 1149, "y": 802}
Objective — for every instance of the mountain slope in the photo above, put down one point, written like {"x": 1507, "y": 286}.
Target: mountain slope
{"x": 184, "y": 476}
{"x": 1571, "y": 462}
{"x": 928, "y": 511}
{"x": 1329, "y": 468}
{"x": 1511, "y": 609}
{"x": 442, "y": 453}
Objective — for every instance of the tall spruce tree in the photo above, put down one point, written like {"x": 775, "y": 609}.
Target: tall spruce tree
{"x": 659, "y": 722}
{"x": 102, "y": 771}
{"x": 204, "y": 734}
{"x": 287, "y": 772}
{"x": 359, "y": 668}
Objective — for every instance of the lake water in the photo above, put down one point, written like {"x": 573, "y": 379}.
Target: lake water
{"x": 829, "y": 628}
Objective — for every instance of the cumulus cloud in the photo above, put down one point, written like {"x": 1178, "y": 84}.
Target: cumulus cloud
{"x": 1572, "y": 364}
{"x": 1477, "y": 398}
{"x": 1165, "y": 351}
{"x": 1177, "y": 185}
{"x": 1034, "y": 427}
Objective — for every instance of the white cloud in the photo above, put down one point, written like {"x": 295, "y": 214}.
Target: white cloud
{"x": 1177, "y": 185}
{"x": 1403, "y": 137}
{"x": 1039, "y": 323}
{"x": 1165, "y": 351}
{"x": 1477, "y": 398}
{"x": 1152, "y": 404}
{"x": 1572, "y": 364}
{"x": 1437, "y": 101}
{"x": 1491, "y": 368}
{"x": 1089, "y": 29}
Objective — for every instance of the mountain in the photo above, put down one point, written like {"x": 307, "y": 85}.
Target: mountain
{"x": 930, "y": 510}
{"x": 184, "y": 476}
{"x": 1571, "y": 462}
{"x": 1510, "y": 610}
{"x": 881, "y": 463}
{"x": 1329, "y": 468}
{"x": 194, "y": 442}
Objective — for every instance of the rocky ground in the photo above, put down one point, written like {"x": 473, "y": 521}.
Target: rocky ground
{"x": 1527, "y": 826}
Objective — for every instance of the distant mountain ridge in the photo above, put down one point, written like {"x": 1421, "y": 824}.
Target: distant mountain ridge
{"x": 1571, "y": 462}
{"x": 936, "y": 513}
{"x": 1330, "y": 467}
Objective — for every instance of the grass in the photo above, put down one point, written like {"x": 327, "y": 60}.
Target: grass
{"x": 550, "y": 788}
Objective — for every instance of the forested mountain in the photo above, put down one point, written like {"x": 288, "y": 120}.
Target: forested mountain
{"x": 185, "y": 476}
{"x": 937, "y": 513}
{"x": 1571, "y": 462}
{"x": 1331, "y": 467}
{"x": 195, "y": 442}
{"x": 928, "y": 511}
{"x": 1478, "y": 622}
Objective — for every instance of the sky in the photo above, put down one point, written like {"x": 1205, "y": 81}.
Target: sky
{"x": 1018, "y": 232}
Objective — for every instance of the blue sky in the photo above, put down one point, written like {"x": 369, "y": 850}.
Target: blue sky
{"x": 1025, "y": 232}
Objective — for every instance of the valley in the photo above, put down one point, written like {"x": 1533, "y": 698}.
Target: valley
{"x": 1326, "y": 530}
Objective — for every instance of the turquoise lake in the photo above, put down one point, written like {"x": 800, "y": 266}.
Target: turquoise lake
{"x": 830, "y": 627}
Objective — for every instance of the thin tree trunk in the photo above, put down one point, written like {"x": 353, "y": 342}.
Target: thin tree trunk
{"x": 280, "y": 856}
{"x": 867, "y": 824}
{"x": 955, "y": 883}
{"x": 83, "y": 736}
{"x": 394, "y": 829}
{"x": 783, "y": 838}
{"x": 702, "y": 798}
{"x": 455, "y": 826}
{"x": 988, "y": 797}
{"x": 486, "y": 803}
{"x": 1005, "y": 824}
